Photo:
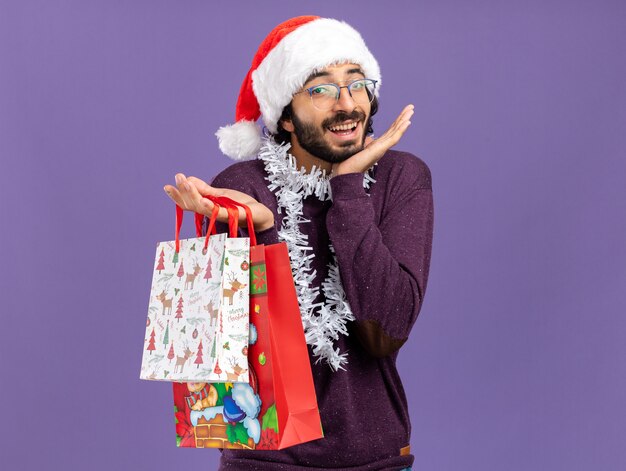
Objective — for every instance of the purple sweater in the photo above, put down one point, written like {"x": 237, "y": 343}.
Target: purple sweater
{"x": 383, "y": 245}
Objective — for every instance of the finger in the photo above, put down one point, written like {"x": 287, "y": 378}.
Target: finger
{"x": 175, "y": 196}
{"x": 204, "y": 188}
{"x": 395, "y": 137}
{"x": 188, "y": 197}
{"x": 205, "y": 205}
{"x": 390, "y": 138}
{"x": 404, "y": 116}
{"x": 173, "y": 193}
{"x": 181, "y": 181}
{"x": 397, "y": 131}
{"x": 200, "y": 204}
{"x": 407, "y": 112}
{"x": 207, "y": 210}
{"x": 201, "y": 188}
{"x": 184, "y": 190}
{"x": 400, "y": 124}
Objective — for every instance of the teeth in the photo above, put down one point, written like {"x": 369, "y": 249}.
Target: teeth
{"x": 343, "y": 127}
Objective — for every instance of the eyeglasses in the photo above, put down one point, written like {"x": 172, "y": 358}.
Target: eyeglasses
{"x": 325, "y": 95}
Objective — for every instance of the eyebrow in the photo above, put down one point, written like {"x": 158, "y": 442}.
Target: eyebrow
{"x": 321, "y": 73}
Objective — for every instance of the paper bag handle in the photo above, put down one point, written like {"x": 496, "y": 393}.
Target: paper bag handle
{"x": 231, "y": 209}
{"x": 228, "y": 202}
{"x": 199, "y": 218}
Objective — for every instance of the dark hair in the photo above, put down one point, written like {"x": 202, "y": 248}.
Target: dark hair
{"x": 282, "y": 136}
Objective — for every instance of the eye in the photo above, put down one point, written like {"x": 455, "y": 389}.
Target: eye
{"x": 358, "y": 85}
{"x": 321, "y": 90}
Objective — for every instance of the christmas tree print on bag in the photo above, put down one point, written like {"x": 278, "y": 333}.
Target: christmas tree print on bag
{"x": 185, "y": 335}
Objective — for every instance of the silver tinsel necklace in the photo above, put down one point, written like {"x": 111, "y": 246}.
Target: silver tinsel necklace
{"x": 322, "y": 322}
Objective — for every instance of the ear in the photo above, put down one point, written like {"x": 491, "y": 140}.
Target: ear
{"x": 287, "y": 125}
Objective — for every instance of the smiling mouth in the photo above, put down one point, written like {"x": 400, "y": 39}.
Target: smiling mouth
{"x": 344, "y": 129}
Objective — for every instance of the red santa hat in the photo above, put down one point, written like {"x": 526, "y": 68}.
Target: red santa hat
{"x": 285, "y": 59}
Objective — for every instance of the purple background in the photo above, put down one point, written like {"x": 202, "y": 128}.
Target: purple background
{"x": 517, "y": 361}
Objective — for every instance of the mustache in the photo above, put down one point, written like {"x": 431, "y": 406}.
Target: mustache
{"x": 341, "y": 116}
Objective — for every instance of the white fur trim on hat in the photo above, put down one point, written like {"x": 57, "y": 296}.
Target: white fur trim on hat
{"x": 308, "y": 49}
{"x": 240, "y": 141}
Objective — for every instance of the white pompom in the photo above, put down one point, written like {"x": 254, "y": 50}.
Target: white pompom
{"x": 240, "y": 141}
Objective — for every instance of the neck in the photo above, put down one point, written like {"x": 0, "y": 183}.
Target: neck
{"x": 306, "y": 159}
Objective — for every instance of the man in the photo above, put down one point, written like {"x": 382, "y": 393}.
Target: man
{"x": 363, "y": 211}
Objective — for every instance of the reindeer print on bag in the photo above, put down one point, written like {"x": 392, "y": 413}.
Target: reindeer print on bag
{"x": 192, "y": 277}
{"x": 185, "y": 329}
{"x": 213, "y": 313}
{"x": 180, "y": 361}
{"x": 235, "y": 286}
{"x": 234, "y": 309}
{"x": 167, "y": 303}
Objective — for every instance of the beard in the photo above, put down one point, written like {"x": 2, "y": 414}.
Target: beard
{"x": 311, "y": 137}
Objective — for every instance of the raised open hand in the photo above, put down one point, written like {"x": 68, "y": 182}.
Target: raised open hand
{"x": 376, "y": 148}
{"x": 189, "y": 195}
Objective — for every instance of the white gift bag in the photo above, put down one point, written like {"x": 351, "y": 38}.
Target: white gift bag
{"x": 187, "y": 338}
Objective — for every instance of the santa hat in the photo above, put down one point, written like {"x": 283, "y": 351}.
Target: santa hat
{"x": 285, "y": 59}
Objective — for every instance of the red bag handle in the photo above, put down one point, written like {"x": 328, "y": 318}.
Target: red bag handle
{"x": 233, "y": 220}
{"x": 227, "y": 202}
{"x": 199, "y": 218}
{"x": 233, "y": 213}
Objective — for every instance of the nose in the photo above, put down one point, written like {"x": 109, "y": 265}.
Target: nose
{"x": 345, "y": 101}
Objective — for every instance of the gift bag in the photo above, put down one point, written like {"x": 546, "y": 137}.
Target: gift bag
{"x": 232, "y": 365}
{"x": 278, "y": 408}
{"x": 185, "y": 334}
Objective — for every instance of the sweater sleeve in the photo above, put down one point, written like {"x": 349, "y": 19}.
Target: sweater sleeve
{"x": 383, "y": 264}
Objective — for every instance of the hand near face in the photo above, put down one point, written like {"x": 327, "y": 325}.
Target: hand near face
{"x": 375, "y": 148}
{"x": 189, "y": 195}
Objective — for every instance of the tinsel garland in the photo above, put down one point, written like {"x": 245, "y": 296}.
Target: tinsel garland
{"x": 322, "y": 322}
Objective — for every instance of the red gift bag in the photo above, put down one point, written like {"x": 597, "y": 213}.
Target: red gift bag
{"x": 278, "y": 408}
